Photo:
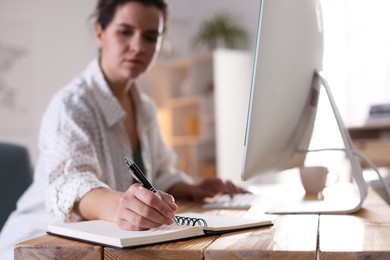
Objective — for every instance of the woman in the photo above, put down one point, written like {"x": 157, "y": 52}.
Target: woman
{"x": 92, "y": 123}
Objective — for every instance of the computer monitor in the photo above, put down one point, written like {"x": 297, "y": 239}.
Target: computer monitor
{"x": 285, "y": 87}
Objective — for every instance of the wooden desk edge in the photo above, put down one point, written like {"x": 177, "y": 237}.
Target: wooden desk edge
{"x": 53, "y": 247}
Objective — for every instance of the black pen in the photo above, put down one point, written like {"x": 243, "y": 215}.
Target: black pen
{"x": 141, "y": 178}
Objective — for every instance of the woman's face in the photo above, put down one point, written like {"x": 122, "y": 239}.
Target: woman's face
{"x": 128, "y": 44}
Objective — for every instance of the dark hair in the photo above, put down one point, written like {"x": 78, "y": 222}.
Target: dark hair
{"x": 105, "y": 9}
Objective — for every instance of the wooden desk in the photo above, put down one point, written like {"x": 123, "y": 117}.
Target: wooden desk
{"x": 365, "y": 234}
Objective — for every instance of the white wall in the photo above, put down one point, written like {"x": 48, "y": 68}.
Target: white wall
{"x": 56, "y": 40}
{"x": 357, "y": 55}
{"x": 52, "y": 41}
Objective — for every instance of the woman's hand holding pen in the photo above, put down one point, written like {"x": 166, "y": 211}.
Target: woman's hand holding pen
{"x": 141, "y": 209}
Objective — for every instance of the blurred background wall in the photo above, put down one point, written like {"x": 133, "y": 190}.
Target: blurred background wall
{"x": 45, "y": 43}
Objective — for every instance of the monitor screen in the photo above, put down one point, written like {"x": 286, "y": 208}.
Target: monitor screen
{"x": 283, "y": 97}
{"x": 286, "y": 79}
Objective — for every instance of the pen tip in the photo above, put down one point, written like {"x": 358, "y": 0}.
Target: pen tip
{"x": 127, "y": 160}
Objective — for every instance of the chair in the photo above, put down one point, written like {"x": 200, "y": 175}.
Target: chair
{"x": 15, "y": 177}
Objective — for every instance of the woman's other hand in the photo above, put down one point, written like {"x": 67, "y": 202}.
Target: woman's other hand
{"x": 207, "y": 188}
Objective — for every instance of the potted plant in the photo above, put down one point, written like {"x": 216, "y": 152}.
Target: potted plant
{"x": 220, "y": 31}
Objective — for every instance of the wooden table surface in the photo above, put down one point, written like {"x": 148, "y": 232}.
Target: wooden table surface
{"x": 362, "y": 235}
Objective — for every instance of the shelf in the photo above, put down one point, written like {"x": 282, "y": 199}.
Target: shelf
{"x": 370, "y": 132}
{"x": 374, "y": 142}
{"x": 186, "y": 112}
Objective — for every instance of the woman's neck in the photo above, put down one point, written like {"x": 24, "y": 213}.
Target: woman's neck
{"x": 122, "y": 90}
{"x": 119, "y": 87}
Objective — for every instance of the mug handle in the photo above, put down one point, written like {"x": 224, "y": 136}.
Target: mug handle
{"x": 336, "y": 173}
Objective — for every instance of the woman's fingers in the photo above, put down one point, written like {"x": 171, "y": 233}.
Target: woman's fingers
{"x": 169, "y": 199}
{"x": 213, "y": 186}
{"x": 233, "y": 189}
{"x": 141, "y": 209}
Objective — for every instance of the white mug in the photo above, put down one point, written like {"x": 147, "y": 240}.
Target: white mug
{"x": 313, "y": 178}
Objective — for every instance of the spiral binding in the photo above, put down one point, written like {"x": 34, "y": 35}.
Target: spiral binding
{"x": 188, "y": 221}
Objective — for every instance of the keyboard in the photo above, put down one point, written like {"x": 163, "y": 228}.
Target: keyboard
{"x": 239, "y": 201}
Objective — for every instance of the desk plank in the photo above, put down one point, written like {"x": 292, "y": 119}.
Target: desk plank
{"x": 291, "y": 237}
{"x": 362, "y": 235}
{"x": 189, "y": 249}
{"x": 52, "y": 247}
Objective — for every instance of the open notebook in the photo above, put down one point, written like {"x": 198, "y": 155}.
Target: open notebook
{"x": 107, "y": 233}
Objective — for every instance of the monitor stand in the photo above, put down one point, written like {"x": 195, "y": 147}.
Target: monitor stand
{"x": 352, "y": 199}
